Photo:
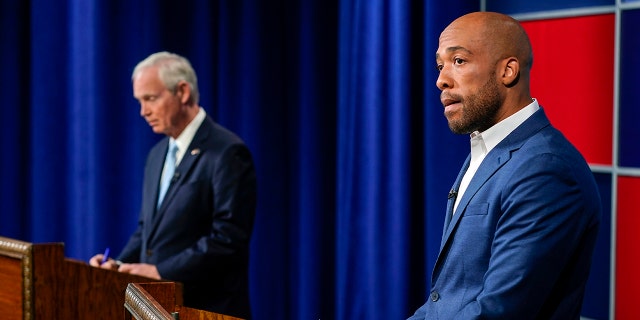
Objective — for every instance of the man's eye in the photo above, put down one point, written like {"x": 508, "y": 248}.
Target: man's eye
{"x": 458, "y": 61}
{"x": 439, "y": 67}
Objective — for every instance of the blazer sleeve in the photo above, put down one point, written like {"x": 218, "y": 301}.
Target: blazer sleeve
{"x": 131, "y": 251}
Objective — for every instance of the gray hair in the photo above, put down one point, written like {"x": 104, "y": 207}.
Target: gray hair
{"x": 172, "y": 68}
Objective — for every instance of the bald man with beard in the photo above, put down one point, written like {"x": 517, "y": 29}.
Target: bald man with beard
{"x": 523, "y": 214}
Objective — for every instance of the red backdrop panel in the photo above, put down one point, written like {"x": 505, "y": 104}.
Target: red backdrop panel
{"x": 572, "y": 78}
{"x": 627, "y": 251}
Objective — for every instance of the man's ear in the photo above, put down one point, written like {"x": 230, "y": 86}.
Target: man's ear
{"x": 183, "y": 91}
{"x": 511, "y": 72}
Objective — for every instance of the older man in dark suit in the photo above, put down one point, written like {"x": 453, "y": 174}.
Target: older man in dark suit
{"x": 199, "y": 195}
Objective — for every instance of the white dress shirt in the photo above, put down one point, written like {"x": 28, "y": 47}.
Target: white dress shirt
{"x": 483, "y": 142}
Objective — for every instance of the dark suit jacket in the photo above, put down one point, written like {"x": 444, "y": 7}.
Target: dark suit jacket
{"x": 520, "y": 243}
{"x": 200, "y": 234}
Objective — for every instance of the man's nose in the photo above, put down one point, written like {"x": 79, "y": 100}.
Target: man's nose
{"x": 444, "y": 79}
{"x": 144, "y": 109}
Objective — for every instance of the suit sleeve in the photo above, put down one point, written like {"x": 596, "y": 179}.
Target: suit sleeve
{"x": 131, "y": 251}
{"x": 539, "y": 237}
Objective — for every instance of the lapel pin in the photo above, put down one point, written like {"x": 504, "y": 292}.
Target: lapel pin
{"x": 195, "y": 152}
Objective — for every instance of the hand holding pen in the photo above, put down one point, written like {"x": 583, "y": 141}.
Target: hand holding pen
{"x": 105, "y": 256}
{"x": 103, "y": 261}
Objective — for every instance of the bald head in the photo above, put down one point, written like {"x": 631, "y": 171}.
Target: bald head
{"x": 501, "y": 35}
{"x": 484, "y": 61}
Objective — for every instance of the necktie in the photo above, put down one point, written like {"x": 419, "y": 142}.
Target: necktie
{"x": 168, "y": 171}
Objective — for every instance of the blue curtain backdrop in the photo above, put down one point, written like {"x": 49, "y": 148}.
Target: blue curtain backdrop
{"x": 336, "y": 99}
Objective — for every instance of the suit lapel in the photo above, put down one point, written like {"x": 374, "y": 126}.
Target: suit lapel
{"x": 500, "y": 155}
{"x": 155, "y": 167}
{"x": 183, "y": 170}
{"x": 494, "y": 160}
{"x": 452, "y": 200}
{"x": 491, "y": 163}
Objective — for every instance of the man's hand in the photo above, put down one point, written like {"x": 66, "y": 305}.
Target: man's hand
{"x": 96, "y": 261}
{"x": 141, "y": 269}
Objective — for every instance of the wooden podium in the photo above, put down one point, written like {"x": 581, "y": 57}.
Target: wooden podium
{"x": 38, "y": 282}
{"x": 157, "y": 301}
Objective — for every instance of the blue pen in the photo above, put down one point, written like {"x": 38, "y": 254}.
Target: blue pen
{"x": 105, "y": 256}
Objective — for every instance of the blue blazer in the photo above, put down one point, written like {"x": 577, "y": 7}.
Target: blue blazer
{"x": 200, "y": 234}
{"x": 519, "y": 245}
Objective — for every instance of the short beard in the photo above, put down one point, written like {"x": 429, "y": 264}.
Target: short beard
{"x": 479, "y": 110}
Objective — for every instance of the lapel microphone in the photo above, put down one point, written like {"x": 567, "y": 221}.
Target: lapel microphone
{"x": 175, "y": 177}
{"x": 452, "y": 194}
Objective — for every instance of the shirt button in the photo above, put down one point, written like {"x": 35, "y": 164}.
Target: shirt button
{"x": 149, "y": 253}
{"x": 435, "y": 296}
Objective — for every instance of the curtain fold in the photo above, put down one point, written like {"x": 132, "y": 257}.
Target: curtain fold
{"x": 444, "y": 152}
{"x": 391, "y": 138}
{"x": 14, "y": 117}
{"x": 374, "y": 135}
{"x": 336, "y": 99}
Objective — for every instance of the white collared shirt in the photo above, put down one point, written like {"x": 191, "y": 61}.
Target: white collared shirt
{"x": 184, "y": 139}
{"x": 483, "y": 143}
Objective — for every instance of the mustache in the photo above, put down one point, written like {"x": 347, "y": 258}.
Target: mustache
{"x": 446, "y": 98}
